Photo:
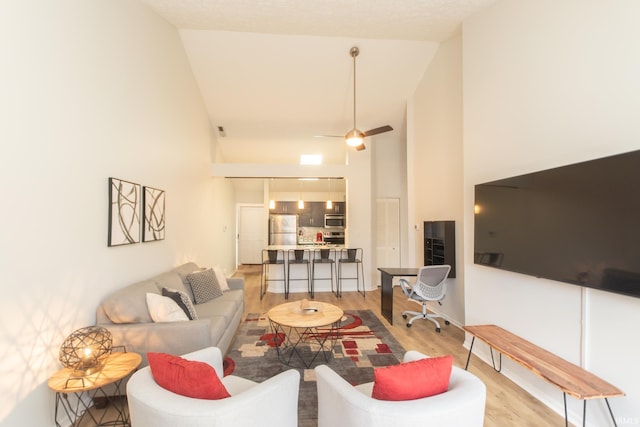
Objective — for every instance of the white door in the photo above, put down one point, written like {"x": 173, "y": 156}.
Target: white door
{"x": 252, "y": 234}
{"x": 388, "y": 233}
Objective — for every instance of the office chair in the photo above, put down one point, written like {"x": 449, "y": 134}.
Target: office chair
{"x": 431, "y": 285}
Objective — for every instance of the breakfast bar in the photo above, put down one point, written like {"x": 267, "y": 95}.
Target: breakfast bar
{"x": 296, "y": 270}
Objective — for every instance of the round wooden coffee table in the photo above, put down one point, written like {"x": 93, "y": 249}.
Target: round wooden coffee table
{"x": 305, "y": 332}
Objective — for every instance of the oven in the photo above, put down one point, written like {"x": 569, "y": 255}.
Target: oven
{"x": 333, "y": 237}
{"x": 334, "y": 221}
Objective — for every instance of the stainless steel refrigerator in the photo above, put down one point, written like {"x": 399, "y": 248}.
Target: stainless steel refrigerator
{"x": 283, "y": 229}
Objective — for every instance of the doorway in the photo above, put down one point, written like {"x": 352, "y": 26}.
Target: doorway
{"x": 388, "y": 232}
{"x": 252, "y": 233}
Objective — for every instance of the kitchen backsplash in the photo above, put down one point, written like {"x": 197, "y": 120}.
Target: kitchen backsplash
{"x": 309, "y": 235}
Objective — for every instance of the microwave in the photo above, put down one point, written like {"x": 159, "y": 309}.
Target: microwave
{"x": 334, "y": 221}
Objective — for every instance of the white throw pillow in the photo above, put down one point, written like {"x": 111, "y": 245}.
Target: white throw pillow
{"x": 222, "y": 279}
{"x": 164, "y": 309}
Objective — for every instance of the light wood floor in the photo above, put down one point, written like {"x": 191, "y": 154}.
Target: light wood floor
{"x": 507, "y": 403}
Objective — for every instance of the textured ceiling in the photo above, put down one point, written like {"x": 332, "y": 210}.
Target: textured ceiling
{"x": 276, "y": 73}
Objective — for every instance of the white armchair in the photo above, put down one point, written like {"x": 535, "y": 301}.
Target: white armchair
{"x": 341, "y": 404}
{"x": 273, "y": 402}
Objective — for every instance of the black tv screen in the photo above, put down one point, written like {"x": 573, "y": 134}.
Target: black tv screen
{"x": 577, "y": 224}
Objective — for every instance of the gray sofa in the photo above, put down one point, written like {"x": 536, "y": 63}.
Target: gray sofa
{"x": 125, "y": 314}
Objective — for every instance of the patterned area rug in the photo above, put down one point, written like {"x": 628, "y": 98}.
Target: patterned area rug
{"x": 363, "y": 343}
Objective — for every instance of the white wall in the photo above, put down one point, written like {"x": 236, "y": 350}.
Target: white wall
{"x": 389, "y": 182}
{"x": 548, "y": 83}
{"x": 90, "y": 90}
{"x": 435, "y": 157}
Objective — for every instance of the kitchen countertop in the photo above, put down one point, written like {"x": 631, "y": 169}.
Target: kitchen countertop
{"x": 310, "y": 246}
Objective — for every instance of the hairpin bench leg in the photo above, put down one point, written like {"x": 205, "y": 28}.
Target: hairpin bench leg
{"x": 469, "y": 356}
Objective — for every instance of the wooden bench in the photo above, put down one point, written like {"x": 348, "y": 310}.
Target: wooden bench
{"x": 570, "y": 378}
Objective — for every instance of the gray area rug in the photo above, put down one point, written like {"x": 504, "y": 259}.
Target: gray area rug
{"x": 363, "y": 343}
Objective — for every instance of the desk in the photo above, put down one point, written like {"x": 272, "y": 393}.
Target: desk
{"x": 570, "y": 378}
{"x": 293, "y": 326}
{"x": 386, "y": 290}
{"x": 116, "y": 367}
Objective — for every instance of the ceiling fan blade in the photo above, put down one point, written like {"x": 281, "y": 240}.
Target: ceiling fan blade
{"x": 376, "y": 131}
{"x": 360, "y": 147}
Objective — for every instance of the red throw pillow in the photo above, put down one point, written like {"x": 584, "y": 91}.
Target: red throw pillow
{"x": 186, "y": 377}
{"x": 412, "y": 380}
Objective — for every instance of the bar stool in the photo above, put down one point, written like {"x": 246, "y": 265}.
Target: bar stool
{"x": 351, "y": 256}
{"x": 272, "y": 257}
{"x": 298, "y": 257}
{"x": 323, "y": 256}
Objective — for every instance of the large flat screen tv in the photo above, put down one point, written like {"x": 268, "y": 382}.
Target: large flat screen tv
{"x": 577, "y": 224}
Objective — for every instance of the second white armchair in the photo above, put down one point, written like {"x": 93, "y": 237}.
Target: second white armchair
{"x": 340, "y": 404}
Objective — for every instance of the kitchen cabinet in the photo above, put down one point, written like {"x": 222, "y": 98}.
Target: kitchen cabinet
{"x": 285, "y": 208}
{"x": 338, "y": 207}
{"x": 440, "y": 244}
{"x": 304, "y": 217}
{"x": 317, "y": 214}
{"x": 312, "y": 215}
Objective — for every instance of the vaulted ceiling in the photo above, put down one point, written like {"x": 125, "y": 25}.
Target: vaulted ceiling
{"x": 275, "y": 74}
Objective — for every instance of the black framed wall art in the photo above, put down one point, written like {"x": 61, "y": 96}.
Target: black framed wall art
{"x": 124, "y": 212}
{"x": 154, "y": 220}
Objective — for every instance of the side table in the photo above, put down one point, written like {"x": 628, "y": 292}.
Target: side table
{"x": 85, "y": 389}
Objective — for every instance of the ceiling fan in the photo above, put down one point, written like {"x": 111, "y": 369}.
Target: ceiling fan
{"x": 355, "y": 137}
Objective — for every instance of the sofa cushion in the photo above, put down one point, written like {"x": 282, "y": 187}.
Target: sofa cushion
{"x": 186, "y": 377}
{"x": 222, "y": 307}
{"x": 170, "y": 280}
{"x": 222, "y": 279}
{"x": 235, "y": 295}
{"x": 412, "y": 380}
{"x": 204, "y": 286}
{"x": 218, "y": 327}
{"x": 129, "y": 304}
{"x": 182, "y": 271}
{"x": 164, "y": 309}
{"x": 182, "y": 299}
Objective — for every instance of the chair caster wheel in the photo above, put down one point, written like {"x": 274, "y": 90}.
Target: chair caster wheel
{"x": 408, "y": 325}
{"x": 404, "y": 316}
{"x": 446, "y": 322}
{"x": 438, "y": 330}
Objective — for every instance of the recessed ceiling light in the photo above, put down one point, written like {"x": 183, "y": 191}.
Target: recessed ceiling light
{"x": 310, "y": 159}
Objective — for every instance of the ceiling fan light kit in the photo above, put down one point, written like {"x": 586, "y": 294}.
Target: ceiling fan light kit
{"x": 355, "y": 137}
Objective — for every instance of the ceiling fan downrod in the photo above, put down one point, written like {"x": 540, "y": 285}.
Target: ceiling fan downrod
{"x": 354, "y": 137}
